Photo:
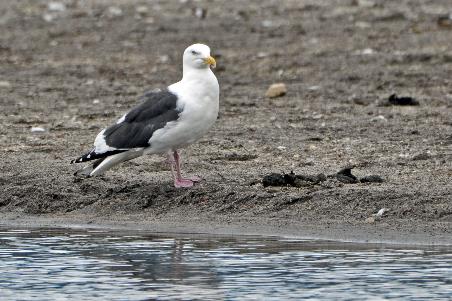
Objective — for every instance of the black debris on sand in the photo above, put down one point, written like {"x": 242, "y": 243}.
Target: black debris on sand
{"x": 291, "y": 179}
{"x": 372, "y": 179}
{"x": 402, "y": 101}
{"x": 345, "y": 176}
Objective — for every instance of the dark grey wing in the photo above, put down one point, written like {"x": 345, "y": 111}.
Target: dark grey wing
{"x": 136, "y": 127}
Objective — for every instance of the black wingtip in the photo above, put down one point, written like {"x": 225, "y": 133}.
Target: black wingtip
{"x": 78, "y": 160}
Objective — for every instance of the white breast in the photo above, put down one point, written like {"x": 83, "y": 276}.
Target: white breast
{"x": 198, "y": 98}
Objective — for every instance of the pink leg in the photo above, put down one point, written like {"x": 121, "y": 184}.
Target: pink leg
{"x": 175, "y": 168}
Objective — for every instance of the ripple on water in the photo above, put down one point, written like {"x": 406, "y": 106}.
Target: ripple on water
{"x": 50, "y": 264}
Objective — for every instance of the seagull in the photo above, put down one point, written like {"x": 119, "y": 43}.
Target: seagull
{"x": 164, "y": 122}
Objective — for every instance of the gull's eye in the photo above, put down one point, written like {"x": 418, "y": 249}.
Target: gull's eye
{"x": 194, "y": 52}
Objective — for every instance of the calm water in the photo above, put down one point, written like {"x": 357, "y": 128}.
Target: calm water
{"x": 63, "y": 264}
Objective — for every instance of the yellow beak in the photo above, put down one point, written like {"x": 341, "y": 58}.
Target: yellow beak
{"x": 210, "y": 61}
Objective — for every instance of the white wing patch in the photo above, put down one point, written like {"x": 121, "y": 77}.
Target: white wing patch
{"x": 101, "y": 145}
{"x": 121, "y": 119}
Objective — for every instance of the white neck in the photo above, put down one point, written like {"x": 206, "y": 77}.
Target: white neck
{"x": 197, "y": 81}
{"x": 194, "y": 72}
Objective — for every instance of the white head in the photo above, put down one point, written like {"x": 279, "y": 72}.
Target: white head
{"x": 198, "y": 56}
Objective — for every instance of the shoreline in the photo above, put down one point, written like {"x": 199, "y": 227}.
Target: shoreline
{"x": 336, "y": 113}
{"x": 332, "y": 231}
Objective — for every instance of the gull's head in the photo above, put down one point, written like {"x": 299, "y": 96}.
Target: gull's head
{"x": 198, "y": 56}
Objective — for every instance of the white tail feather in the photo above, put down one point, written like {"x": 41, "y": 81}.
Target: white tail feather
{"x": 114, "y": 160}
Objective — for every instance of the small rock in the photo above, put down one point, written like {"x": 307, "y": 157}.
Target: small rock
{"x": 149, "y": 20}
{"x": 445, "y": 21}
{"x": 276, "y": 90}
{"x": 200, "y": 13}
{"x": 364, "y": 3}
{"x": 370, "y": 220}
{"x": 314, "y": 88}
{"x": 380, "y": 212}
{"x": 367, "y": 51}
{"x": 372, "y": 179}
{"x": 48, "y": 17}
{"x": 363, "y": 25}
{"x": 37, "y": 130}
{"x": 142, "y": 9}
{"x": 345, "y": 176}
{"x": 5, "y": 84}
{"x": 56, "y": 6}
{"x": 317, "y": 116}
{"x": 267, "y": 23}
{"x": 115, "y": 11}
{"x": 281, "y": 148}
{"x": 402, "y": 101}
{"x": 163, "y": 58}
{"x": 422, "y": 156}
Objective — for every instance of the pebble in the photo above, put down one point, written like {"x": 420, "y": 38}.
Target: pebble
{"x": 48, "y": 17}
{"x": 445, "y": 21}
{"x": 267, "y": 23}
{"x": 379, "y": 117}
{"x": 367, "y": 51}
{"x": 142, "y": 10}
{"x": 380, "y": 212}
{"x": 200, "y": 13}
{"x": 5, "y": 84}
{"x": 363, "y": 25}
{"x": 364, "y": 3}
{"x": 149, "y": 20}
{"x": 56, "y": 6}
{"x": 115, "y": 11}
{"x": 276, "y": 90}
{"x": 163, "y": 58}
{"x": 314, "y": 88}
{"x": 37, "y": 130}
{"x": 370, "y": 220}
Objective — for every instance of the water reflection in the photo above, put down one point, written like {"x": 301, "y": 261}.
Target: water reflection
{"x": 51, "y": 264}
